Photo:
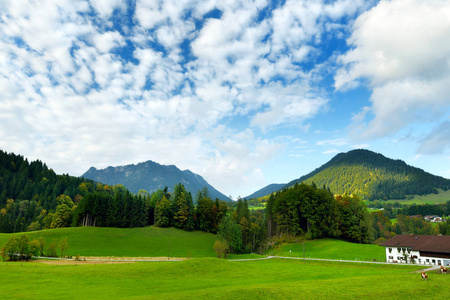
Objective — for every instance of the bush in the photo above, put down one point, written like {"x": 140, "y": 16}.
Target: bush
{"x": 35, "y": 226}
{"x": 221, "y": 249}
{"x": 51, "y": 249}
{"x": 379, "y": 241}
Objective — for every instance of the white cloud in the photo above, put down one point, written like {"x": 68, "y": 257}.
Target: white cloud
{"x": 402, "y": 49}
{"x": 397, "y": 40}
{"x": 105, "y": 8}
{"x": 238, "y": 155}
{"x": 335, "y": 142}
{"x": 437, "y": 141}
{"x": 331, "y": 151}
{"x": 361, "y": 146}
{"x": 289, "y": 109}
{"x": 153, "y": 13}
{"x": 107, "y": 41}
{"x": 69, "y": 99}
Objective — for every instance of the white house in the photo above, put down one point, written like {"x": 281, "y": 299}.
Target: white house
{"x": 418, "y": 249}
{"x": 433, "y": 219}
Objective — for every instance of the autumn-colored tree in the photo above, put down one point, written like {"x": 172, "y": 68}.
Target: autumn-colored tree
{"x": 63, "y": 217}
{"x": 63, "y": 244}
{"x": 221, "y": 249}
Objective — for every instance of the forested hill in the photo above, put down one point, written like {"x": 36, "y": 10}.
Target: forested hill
{"x": 29, "y": 191}
{"x": 372, "y": 176}
{"x": 151, "y": 176}
{"x": 34, "y": 181}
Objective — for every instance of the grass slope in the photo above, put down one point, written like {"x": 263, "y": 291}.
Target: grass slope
{"x": 210, "y": 278}
{"x": 331, "y": 249}
{"x": 133, "y": 242}
{"x": 441, "y": 197}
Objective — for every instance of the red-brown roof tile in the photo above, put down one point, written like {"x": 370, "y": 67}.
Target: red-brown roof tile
{"x": 427, "y": 243}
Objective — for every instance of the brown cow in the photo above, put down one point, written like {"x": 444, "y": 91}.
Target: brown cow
{"x": 443, "y": 270}
{"x": 424, "y": 276}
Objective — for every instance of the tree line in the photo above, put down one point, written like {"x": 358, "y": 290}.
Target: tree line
{"x": 393, "y": 209}
{"x": 383, "y": 228}
{"x": 120, "y": 208}
{"x": 307, "y": 209}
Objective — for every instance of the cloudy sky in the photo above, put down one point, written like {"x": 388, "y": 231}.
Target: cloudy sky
{"x": 245, "y": 93}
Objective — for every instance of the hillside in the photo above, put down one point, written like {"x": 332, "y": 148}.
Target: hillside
{"x": 151, "y": 176}
{"x": 271, "y": 188}
{"x": 373, "y": 176}
{"x": 30, "y": 190}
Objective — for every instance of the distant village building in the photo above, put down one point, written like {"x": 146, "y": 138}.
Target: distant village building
{"x": 433, "y": 219}
{"x": 418, "y": 249}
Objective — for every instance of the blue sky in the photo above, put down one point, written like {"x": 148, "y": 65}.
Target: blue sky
{"x": 244, "y": 93}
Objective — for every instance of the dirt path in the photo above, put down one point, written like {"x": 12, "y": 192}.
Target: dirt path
{"x": 103, "y": 260}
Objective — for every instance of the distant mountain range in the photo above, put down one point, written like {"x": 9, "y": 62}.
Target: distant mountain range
{"x": 151, "y": 176}
{"x": 369, "y": 175}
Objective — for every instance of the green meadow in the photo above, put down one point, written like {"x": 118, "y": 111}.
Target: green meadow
{"x": 131, "y": 242}
{"x": 331, "y": 249}
{"x": 441, "y": 197}
{"x": 157, "y": 242}
{"x": 206, "y": 278}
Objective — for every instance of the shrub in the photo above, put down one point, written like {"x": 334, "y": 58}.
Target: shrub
{"x": 221, "y": 249}
{"x": 51, "y": 249}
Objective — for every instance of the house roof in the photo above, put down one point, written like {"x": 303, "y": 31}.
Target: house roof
{"x": 427, "y": 243}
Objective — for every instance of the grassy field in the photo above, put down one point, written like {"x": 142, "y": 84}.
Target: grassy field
{"x": 132, "y": 242}
{"x": 206, "y": 278}
{"x": 442, "y": 197}
{"x": 154, "y": 242}
{"x": 332, "y": 249}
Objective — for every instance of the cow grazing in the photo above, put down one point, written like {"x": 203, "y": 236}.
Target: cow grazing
{"x": 443, "y": 270}
{"x": 424, "y": 276}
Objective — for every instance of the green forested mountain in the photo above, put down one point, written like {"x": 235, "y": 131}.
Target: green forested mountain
{"x": 372, "y": 176}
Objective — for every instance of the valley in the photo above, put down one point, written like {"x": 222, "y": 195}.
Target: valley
{"x": 166, "y": 246}
{"x": 206, "y": 277}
